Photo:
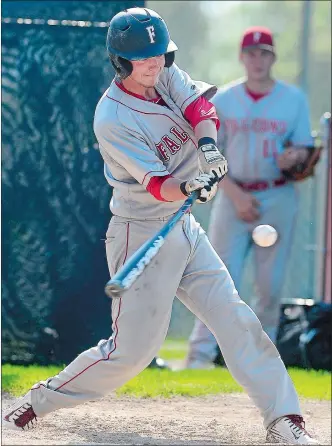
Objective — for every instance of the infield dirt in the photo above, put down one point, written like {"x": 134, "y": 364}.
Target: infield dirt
{"x": 208, "y": 420}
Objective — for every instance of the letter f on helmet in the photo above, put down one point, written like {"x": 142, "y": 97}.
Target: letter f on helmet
{"x": 150, "y": 30}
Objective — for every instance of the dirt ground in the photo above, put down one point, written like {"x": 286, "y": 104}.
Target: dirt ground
{"x": 209, "y": 420}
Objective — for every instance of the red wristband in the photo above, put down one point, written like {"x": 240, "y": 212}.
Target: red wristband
{"x": 155, "y": 184}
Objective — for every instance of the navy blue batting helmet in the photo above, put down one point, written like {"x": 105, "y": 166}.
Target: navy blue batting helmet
{"x": 136, "y": 34}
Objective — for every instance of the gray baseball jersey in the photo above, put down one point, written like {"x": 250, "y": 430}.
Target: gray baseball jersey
{"x": 139, "y": 139}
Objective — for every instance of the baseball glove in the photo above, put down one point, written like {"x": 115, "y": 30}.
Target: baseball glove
{"x": 305, "y": 169}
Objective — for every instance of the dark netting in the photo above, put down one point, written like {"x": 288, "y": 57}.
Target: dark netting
{"x": 54, "y": 196}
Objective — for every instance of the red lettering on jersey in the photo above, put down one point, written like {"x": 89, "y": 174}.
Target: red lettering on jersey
{"x": 161, "y": 149}
{"x": 171, "y": 144}
{"x": 257, "y": 125}
{"x": 183, "y": 137}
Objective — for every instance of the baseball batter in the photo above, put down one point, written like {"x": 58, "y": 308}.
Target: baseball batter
{"x": 157, "y": 133}
{"x": 259, "y": 117}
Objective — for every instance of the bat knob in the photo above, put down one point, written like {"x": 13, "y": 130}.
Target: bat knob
{"x": 113, "y": 289}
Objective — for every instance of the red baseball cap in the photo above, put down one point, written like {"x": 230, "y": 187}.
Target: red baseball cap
{"x": 257, "y": 37}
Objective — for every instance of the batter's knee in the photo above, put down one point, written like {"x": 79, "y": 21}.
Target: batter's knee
{"x": 126, "y": 356}
{"x": 238, "y": 324}
{"x": 235, "y": 317}
{"x": 247, "y": 319}
{"x": 253, "y": 329}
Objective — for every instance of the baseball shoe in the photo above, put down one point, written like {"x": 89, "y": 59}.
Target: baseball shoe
{"x": 289, "y": 430}
{"x": 21, "y": 415}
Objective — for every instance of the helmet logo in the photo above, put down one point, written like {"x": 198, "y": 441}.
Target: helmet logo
{"x": 257, "y": 36}
{"x": 150, "y": 30}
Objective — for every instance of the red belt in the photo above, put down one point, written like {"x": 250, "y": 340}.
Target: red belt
{"x": 262, "y": 185}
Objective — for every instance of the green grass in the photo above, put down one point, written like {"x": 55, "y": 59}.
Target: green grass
{"x": 164, "y": 383}
{"x": 153, "y": 383}
{"x": 174, "y": 349}
{"x": 312, "y": 384}
{"x": 18, "y": 379}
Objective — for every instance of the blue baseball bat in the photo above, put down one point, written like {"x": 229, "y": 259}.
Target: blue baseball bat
{"x": 137, "y": 263}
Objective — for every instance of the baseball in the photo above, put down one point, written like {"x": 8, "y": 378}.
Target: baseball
{"x": 264, "y": 235}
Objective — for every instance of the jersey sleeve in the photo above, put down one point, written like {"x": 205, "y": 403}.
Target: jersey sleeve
{"x": 183, "y": 90}
{"x": 218, "y": 103}
{"x": 130, "y": 152}
{"x": 301, "y": 134}
{"x": 200, "y": 110}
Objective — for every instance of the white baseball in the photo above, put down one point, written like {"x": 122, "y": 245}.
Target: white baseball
{"x": 264, "y": 235}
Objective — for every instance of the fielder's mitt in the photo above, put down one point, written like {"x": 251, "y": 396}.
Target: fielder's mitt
{"x": 306, "y": 169}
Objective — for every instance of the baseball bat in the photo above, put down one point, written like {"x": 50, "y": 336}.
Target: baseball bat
{"x": 137, "y": 263}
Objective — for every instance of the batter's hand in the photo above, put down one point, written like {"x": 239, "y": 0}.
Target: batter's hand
{"x": 205, "y": 183}
{"x": 246, "y": 206}
{"x": 211, "y": 161}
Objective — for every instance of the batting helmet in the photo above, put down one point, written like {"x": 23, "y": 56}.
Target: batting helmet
{"x": 135, "y": 34}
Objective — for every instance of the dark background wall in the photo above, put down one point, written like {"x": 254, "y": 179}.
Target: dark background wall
{"x": 54, "y": 196}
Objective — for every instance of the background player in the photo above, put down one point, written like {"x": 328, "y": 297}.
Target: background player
{"x": 258, "y": 115}
{"x": 156, "y": 127}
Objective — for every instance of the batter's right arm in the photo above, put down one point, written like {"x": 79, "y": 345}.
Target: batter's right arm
{"x": 144, "y": 166}
{"x": 129, "y": 152}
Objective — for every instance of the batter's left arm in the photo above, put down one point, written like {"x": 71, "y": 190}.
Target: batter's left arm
{"x": 182, "y": 89}
{"x": 192, "y": 97}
